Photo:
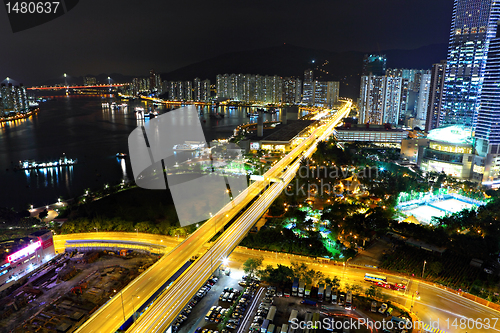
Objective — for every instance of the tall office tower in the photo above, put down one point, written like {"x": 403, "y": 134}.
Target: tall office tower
{"x": 374, "y": 64}
{"x": 473, "y": 26}
{"x": 435, "y": 95}
{"x": 319, "y": 95}
{"x": 308, "y": 87}
{"x": 487, "y": 129}
{"x": 423, "y": 100}
{"x": 332, "y": 93}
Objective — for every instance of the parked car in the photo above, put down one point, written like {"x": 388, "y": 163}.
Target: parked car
{"x": 383, "y": 308}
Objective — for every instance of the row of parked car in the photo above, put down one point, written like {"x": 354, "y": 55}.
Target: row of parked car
{"x": 229, "y": 295}
{"x": 187, "y": 310}
{"x": 263, "y": 309}
{"x": 215, "y": 314}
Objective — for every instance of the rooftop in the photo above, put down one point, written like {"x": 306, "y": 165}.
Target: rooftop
{"x": 369, "y": 127}
{"x": 283, "y": 132}
{"x": 454, "y": 134}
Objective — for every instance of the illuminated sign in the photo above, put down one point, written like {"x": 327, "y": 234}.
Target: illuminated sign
{"x": 254, "y": 145}
{"x": 451, "y": 148}
{"x": 27, "y": 250}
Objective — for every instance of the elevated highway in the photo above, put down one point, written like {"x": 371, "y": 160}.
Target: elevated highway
{"x": 112, "y": 315}
{"x": 163, "y": 312}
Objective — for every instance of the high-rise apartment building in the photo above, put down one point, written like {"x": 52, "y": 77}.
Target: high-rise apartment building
{"x": 201, "y": 90}
{"x": 423, "y": 100}
{"x": 435, "y": 96}
{"x": 308, "y": 88}
{"x": 374, "y": 64}
{"x": 380, "y": 99}
{"x": 13, "y": 100}
{"x": 250, "y": 88}
{"x": 89, "y": 81}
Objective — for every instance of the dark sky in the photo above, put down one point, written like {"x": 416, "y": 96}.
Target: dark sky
{"x": 132, "y": 36}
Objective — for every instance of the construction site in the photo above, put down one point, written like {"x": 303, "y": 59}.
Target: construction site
{"x": 68, "y": 290}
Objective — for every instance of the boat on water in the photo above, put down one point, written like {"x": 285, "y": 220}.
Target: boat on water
{"x": 253, "y": 114}
{"x": 32, "y": 164}
{"x": 190, "y": 146}
{"x": 121, "y": 155}
{"x": 151, "y": 114}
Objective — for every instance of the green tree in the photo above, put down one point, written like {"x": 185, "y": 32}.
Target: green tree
{"x": 371, "y": 291}
{"x": 356, "y": 289}
{"x": 252, "y": 265}
{"x": 436, "y": 267}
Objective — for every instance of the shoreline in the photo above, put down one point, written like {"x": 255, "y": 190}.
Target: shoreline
{"x": 20, "y": 116}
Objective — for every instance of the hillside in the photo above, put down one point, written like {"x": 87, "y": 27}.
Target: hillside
{"x": 290, "y": 60}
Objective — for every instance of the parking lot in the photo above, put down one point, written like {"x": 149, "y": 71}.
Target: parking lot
{"x": 253, "y": 309}
{"x": 212, "y": 301}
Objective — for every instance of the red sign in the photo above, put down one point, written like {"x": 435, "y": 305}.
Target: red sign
{"x": 27, "y": 250}
{"x": 47, "y": 243}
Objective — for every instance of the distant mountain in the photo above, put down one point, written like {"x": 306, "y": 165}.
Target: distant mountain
{"x": 290, "y": 60}
{"x": 101, "y": 78}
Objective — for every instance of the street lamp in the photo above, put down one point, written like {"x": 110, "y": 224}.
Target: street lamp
{"x": 137, "y": 232}
{"x": 423, "y": 270}
{"x": 96, "y": 229}
{"x": 123, "y": 308}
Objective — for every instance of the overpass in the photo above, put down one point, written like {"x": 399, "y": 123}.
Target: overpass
{"x": 109, "y": 317}
{"x": 163, "y": 312}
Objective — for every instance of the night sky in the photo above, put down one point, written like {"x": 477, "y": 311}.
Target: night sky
{"x": 131, "y": 37}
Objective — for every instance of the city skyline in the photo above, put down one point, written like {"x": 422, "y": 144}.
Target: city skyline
{"x": 94, "y": 38}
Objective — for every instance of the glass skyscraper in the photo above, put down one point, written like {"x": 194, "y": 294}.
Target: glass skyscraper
{"x": 471, "y": 89}
{"x": 487, "y": 130}
{"x": 472, "y": 28}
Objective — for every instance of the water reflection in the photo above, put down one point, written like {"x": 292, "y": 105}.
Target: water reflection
{"x": 124, "y": 170}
